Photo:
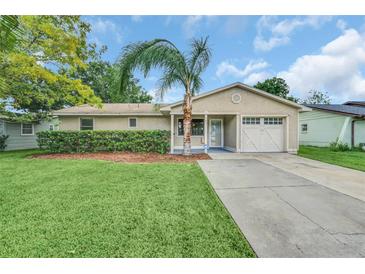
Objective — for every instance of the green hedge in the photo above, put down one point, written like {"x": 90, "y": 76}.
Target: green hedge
{"x": 105, "y": 140}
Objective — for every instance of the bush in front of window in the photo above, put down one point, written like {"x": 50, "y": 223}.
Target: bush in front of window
{"x": 2, "y": 141}
{"x": 105, "y": 140}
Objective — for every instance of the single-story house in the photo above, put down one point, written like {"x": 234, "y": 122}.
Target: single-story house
{"x": 328, "y": 123}
{"x": 23, "y": 135}
{"x": 236, "y": 118}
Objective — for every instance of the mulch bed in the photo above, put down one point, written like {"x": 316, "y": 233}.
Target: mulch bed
{"x": 127, "y": 157}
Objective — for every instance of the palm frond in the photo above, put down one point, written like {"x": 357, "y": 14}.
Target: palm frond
{"x": 169, "y": 78}
{"x": 10, "y": 32}
{"x": 199, "y": 57}
{"x": 196, "y": 84}
{"x": 158, "y": 53}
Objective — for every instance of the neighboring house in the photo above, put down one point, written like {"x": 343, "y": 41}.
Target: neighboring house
{"x": 333, "y": 123}
{"x": 23, "y": 135}
{"x": 236, "y": 117}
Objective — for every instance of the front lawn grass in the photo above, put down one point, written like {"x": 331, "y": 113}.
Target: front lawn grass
{"x": 90, "y": 208}
{"x": 350, "y": 159}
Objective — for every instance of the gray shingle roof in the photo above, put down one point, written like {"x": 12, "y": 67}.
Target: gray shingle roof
{"x": 345, "y": 109}
{"x": 111, "y": 109}
{"x": 356, "y": 103}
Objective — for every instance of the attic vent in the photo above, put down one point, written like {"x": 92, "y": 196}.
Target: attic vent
{"x": 236, "y": 98}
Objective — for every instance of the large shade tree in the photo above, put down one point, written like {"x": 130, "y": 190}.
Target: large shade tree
{"x": 35, "y": 65}
{"x": 178, "y": 69}
{"x": 276, "y": 86}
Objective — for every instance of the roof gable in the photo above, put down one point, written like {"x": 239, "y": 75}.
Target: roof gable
{"x": 244, "y": 87}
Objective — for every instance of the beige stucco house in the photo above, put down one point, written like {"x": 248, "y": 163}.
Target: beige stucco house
{"x": 236, "y": 118}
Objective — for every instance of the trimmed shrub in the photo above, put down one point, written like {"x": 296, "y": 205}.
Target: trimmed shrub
{"x": 339, "y": 146}
{"x": 105, "y": 140}
{"x": 2, "y": 141}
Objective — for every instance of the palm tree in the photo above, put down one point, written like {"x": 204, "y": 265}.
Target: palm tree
{"x": 178, "y": 68}
{"x": 10, "y": 33}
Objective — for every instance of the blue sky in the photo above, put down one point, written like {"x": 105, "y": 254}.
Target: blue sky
{"x": 326, "y": 53}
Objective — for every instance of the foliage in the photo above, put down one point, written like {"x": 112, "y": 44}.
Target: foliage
{"x": 351, "y": 159}
{"x": 132, "y": 93}
{"x": 20, "y": 117}
{"x": 178, "y": 69}
{"x": 10, "y": 33}
{"x": 339, "y": 146}
{"x": 105, "y": 140}
{"x": 35, "y": 69}
{"x": 276, "y": 86}
{"x": 103, "y": 78}
{"x": 87, "y": 208}
{"x": 2, "y": 142}
{"x": 317, "y": 97}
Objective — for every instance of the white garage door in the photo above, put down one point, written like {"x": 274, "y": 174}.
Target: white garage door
{"x": 262, "y": 134}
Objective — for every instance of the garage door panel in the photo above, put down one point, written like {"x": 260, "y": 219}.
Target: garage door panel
{"x": 266, "y": 135}
{"x": 251, "y": 139}
{"x": 272, "y": 139}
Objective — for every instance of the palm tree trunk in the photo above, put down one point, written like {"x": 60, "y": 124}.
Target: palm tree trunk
{"x": 187, "y": 111}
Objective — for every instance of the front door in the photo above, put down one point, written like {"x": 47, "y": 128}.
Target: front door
{"x": 216, "y": 133}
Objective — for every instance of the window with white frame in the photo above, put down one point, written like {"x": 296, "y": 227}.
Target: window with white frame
{"x": 27, "y": 129}
{"x": 86, "y": 124}
{"x": 304, "y": 128}
{"x": 132, "y": 122}
{"x": 251, "y": 120}
{"x": 273, "y": 121}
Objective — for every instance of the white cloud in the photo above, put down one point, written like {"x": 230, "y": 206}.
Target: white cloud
{"x": 101, "y": 26}
{"x": 337, "y": 69}
{"x": 235, "y": 24}
{"x": 227, "y": 68}
{"x": 136, "y": 18}
{"x": 266, "y": 45}
{"x": 279, "y": 31}
{"x": 193, "y": 23}
{"x": 341, "y": 24}
{"x": 255, "y": 77}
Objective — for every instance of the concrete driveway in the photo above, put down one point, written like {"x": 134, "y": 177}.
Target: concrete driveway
{"x": 288, "y": 206}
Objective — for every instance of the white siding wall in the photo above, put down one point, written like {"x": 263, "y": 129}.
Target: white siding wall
{"x": 17, "y": 141}
{"x": 359, "y": 132}
{"x": 323, "y": 128}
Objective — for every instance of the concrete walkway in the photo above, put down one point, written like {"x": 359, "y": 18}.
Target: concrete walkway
{"x": 283, "y": 214}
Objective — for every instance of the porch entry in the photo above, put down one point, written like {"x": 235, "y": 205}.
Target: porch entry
{"x": 216, "y": 133}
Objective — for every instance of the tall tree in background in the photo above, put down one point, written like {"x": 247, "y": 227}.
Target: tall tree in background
{"x": 317, "y": 97}
{"x": 104, "y": 80}
{"x": 276, "y": 86}
{"x": 10, "y": 33}
{"x": 36, "y": 67}
{"x": 178, "y": 68}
